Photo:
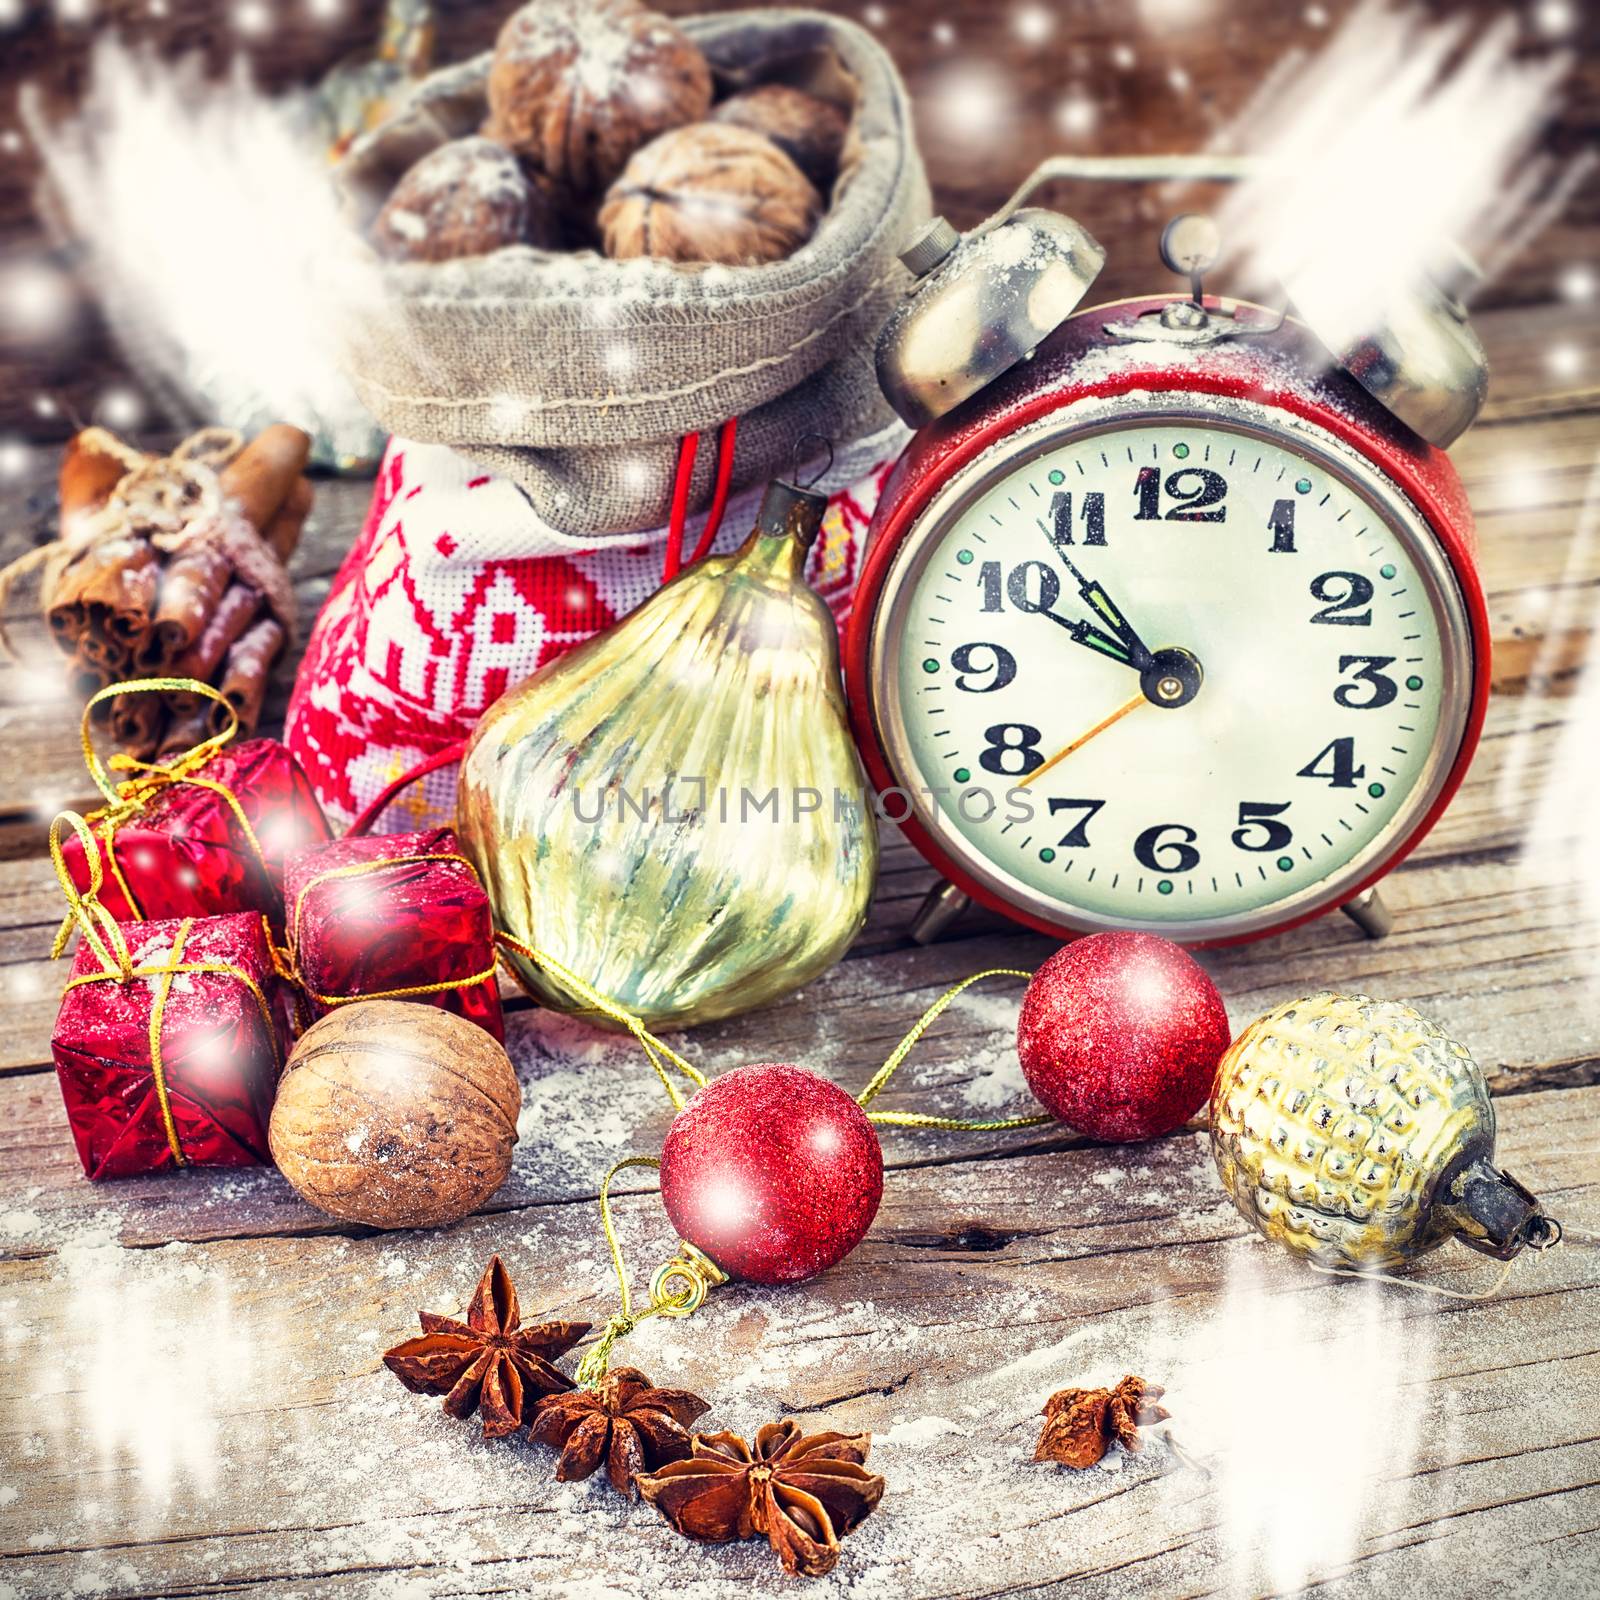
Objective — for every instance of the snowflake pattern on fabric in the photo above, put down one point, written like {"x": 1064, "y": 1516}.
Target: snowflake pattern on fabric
{"x": 454, "y": 591}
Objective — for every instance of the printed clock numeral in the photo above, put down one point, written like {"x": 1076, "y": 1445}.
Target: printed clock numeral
{"x": 1369, "y": 671}
{"x": 1001, "y": 669}
{"x": 1198, "y": 490}
{"x": 1008, "y": 739}
{"x": 1029, "y": 586}
{"x": 1344, "y": 593}
{"x": 1262, "y": 815}
{"x": 1077, "y": 838}
{"x": 1281, "y": 526}
{"x": 1336, "y": 764}
{"x": 1167, "y": 854}
{"x": 1094, "y": 519}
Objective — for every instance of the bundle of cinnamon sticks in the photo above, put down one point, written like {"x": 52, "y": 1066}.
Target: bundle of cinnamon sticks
{"x": 143, "y": 600}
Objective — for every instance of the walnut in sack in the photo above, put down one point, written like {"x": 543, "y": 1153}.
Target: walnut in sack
{"x": 466, "y": 198}
{"x": 810, "y": 131}
{"x": 710, "y": 193}
{"x": 576, "y": 86}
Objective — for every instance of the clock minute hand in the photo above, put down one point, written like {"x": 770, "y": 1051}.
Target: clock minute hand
{"x": 1094, "y": 595}
{"x": 1098, "y": 600}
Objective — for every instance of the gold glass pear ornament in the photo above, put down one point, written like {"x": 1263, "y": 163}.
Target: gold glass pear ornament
{"x": 1357, "y": 1134}
{"x": 675, "y": 810}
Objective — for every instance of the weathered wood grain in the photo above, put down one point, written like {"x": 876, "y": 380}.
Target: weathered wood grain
{"x": 988, "y": 92}
{"x": 209, "y": 1417}
{"x": 298, "y": 1466}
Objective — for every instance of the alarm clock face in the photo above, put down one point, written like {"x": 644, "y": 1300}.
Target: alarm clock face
{"x": 1195, "y": 668}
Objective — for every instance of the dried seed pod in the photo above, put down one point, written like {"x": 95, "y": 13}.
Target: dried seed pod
{"x": 577, "y": 86}
{"x": 810, "y": 131}
{"x": 466, "y": 198}
{"x": 710, "y": 193}
{"x": 395, "y": 1115}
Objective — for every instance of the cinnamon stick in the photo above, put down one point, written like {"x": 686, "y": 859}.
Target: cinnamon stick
{"x": 86, "y": 681}
{"x": 117, "y": 577}
{"x": 192, "y": 586}
{"x": 282, "y": 533}
{"x": 183, "y": 733}
{"x": 90, "y": 469}
{"x": 117, "y": 588}
{"x": 260, "y": 478}
{"x": 97, "y": 648}
{"x": 137, "y": 721}
{"x": 234, "y": 613}
{"x": 244, "y": 677}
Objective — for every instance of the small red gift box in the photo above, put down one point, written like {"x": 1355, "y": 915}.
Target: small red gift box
{"x": 204, "y": 836}
{"x": 399, "y": 916}
{"x": 168, "y": 1044}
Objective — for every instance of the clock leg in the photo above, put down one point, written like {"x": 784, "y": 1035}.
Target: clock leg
{"x": 938, "y": 912}
{"x": 1370, "y": 914}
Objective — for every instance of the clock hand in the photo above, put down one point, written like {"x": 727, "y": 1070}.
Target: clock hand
{"x": 1083, "y": 739}
{"x": 1095, "y": 596}
{"x": 1085, "y": 633}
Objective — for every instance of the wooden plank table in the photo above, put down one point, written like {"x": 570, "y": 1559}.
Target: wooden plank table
{"x": 193, "y": 1400}
{"x": 195, "y": 1404}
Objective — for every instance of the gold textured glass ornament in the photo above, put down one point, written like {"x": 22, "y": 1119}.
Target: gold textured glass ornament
{"x": 675, "y": 810}
{"x": 1357, "y": 1134}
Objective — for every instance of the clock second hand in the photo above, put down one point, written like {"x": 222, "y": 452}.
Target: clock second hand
{"x": 1083, "y": 738}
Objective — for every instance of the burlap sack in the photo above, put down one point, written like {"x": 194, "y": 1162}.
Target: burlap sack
{"x": 576, "y": 376}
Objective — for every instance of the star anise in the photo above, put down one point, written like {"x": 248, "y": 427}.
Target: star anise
{"x": 490, "y": 1361}
{"x": 1081, "y": 1424}
{"x": 626, "y": 1422}
{"x": 804, "y": 1492}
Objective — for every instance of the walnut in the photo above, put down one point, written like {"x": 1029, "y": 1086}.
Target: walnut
{"x": 466, "y": 198}
{"x": 396, "y": 1115}
{"x": 710, "y": 193}
{"x": 577, "y": 86}
{"x": 811, "y": 132}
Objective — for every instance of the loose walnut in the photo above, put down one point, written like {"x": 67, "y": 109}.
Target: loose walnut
{"x": 577, "y": 86}
{"x": 466, "y": 198}
{"x": 811, "y": 132}
{"x": 396, "y": 1115}
{"x": 710, "y": 193}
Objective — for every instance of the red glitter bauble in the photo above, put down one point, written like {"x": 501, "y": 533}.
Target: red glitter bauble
{"x": 1120, "y": 1035}
{"x": 773, "y": 1171}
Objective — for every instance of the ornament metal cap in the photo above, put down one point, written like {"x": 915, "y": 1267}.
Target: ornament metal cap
{"x": 983, "y": 303}
{"x": 1414, "y": 353}
{"x": 787, "y": 510}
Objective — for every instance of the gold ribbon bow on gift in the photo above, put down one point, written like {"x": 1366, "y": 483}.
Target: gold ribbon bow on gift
{"x": 289, "y": 958}
{"x": 129, "y": 798}
{"x": 104, "y": 936}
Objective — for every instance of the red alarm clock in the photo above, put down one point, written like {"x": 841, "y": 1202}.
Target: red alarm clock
{"x": 1170, "y": 617}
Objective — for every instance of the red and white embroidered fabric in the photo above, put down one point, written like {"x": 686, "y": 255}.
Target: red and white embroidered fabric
{"x": 456, "y": 589}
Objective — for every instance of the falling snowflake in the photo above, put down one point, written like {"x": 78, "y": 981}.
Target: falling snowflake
{"x": 37, "y": 301}
{"x": 1564, "y": 360}
{"x": 1555, "y": 19}
{"x": 1076, "y": 114}
{"x": 252, "y": 18}
{"x": 1578, "y": 282}
{"x": 120, "y": 408}
{"x": 1034, "y": 24}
